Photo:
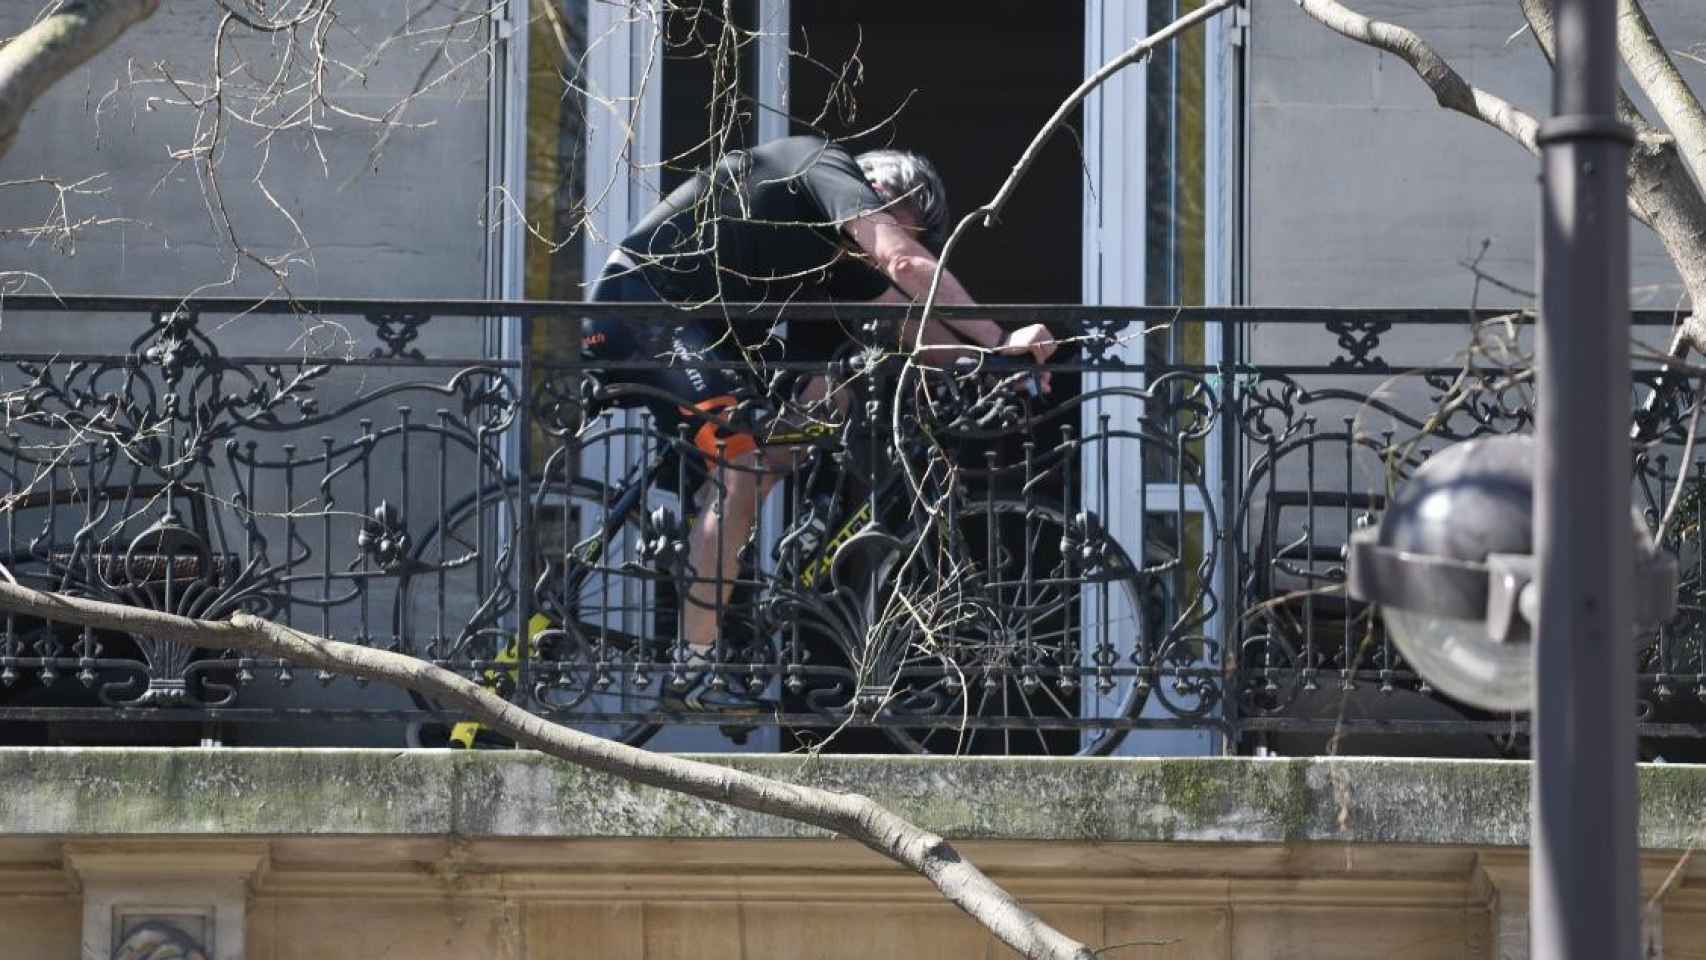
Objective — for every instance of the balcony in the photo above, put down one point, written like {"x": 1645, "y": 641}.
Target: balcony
{"x": 954, "y": 561}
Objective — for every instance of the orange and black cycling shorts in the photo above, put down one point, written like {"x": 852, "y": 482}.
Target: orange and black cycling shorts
{"x": 681, "y": 351}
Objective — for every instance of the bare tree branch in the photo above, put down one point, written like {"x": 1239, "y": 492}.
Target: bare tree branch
{"x": 1652, "y": 68}
{"x": 34, "y": 60}
{"x": 849, "y": 815}
{"x": 1662, "y": 195}
{"x": 1449, "y": 88}
{"x": 1661, "y": 192}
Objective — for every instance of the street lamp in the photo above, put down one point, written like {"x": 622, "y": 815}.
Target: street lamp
{"x": 1583, "y": 875}
{"x": 1452, "y": 567}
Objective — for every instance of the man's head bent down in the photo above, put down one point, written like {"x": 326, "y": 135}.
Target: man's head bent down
{"x": 912, "y": 184}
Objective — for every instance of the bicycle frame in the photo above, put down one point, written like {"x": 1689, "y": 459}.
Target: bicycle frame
{"x": 632, "y": 490}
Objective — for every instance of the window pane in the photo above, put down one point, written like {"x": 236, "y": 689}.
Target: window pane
{"x": 1175, "y": 266}
{"x": 556, "y": 140}
{"x": 556, "y": 175}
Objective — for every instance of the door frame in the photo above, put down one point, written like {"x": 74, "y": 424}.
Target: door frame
{"x": 623, "y": 160}
{"x": 1114, "y": 274}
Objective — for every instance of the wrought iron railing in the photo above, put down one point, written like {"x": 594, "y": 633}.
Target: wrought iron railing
{"x": 953, "y": 563}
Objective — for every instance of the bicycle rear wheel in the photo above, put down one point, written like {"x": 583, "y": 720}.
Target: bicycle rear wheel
{"x": 602, "y": 621}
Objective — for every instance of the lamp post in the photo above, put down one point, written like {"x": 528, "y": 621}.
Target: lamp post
{"x": 1461, "y": 587}
{"x": 1583, "y": 874}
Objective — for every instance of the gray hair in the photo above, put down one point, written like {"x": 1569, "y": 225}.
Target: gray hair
{"x": 906, "y": 177}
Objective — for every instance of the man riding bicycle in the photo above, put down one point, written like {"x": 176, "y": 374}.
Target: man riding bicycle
{"x": 789, "y": 221}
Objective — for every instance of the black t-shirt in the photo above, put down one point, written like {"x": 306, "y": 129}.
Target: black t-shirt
{"x": 762, "y": 225}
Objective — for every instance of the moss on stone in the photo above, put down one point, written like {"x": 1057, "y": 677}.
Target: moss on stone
{"x": 1195, "y": 791}
{"x": 233, "y": 792}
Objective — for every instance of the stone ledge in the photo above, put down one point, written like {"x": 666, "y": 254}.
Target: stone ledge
{"x": 123, "y": 792}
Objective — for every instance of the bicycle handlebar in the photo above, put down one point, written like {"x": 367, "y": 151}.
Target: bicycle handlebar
{"x": 1022, "y": 369}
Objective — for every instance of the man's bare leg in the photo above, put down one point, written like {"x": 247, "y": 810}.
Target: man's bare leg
{"x": 713, "y": 546}
{"x": 725, "y": 522}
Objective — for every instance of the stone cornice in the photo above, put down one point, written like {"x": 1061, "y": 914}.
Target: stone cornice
{"x": 235, "y": 793}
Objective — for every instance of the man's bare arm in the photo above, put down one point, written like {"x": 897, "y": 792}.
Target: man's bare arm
{"x": 897, "y": 253}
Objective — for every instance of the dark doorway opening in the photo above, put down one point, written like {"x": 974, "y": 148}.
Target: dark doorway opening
{"x": 695, "y": 118}
{"x": 967, "y": 84}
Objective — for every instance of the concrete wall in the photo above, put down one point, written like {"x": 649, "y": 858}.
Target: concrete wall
{"x": 1365, "y": 193}
{"x": 279, "y": 855}
{"x": 404, "y": 223}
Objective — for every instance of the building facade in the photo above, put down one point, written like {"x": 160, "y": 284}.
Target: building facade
{"x": 413, "y": 471}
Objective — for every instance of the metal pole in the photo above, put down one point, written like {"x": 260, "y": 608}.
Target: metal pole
{"x": 1584, "y": 894}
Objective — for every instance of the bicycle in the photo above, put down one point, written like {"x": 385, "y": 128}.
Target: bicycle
{"x": 954, "y": 617}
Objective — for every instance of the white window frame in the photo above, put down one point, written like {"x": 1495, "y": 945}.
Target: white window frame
{"x": 1114, "y": 273}
{"x": 623, "y": 59}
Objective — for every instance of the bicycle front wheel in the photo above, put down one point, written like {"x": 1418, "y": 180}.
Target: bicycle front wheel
{"x": 998, "y": 638}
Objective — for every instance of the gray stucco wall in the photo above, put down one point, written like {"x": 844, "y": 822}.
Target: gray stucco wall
{"x": 1366, "y": 193}
{"x": 401, "y": 220}
{"x": 406, "y": 223}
